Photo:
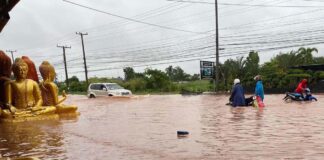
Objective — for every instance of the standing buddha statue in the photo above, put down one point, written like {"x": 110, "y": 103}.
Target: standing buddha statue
{"x": 50, "y": 90}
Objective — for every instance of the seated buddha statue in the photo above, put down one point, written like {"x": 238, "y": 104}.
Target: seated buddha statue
{"x": 5, "y": 73}
{"x": 24, "y": 94}
{"x": 50, "y": 90}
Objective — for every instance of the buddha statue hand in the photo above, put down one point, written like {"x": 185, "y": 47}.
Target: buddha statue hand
{"x": 30, "y": 104}
{"x": 35, "y": 109}
{"x": 11, "y": 108}
{"x": 63, "y": 93}
{"x": 8, "y": 111}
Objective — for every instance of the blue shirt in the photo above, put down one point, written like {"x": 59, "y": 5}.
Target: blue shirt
{"x": 259, "y": 89}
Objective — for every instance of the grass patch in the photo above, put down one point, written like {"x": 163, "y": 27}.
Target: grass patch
{"x": 196, "y": 86}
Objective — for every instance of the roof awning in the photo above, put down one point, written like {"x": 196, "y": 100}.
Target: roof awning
{"x": 314, "y": 67}
{"x": 5, "y": 8}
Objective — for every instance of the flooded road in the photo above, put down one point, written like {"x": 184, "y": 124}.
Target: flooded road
{"x": 145, "y": 128}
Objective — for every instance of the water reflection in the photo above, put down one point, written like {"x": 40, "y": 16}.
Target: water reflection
{"x": 145, "y": 128}
{"x": 259, "y": 113}
{"x": 36, "y": 139}
{"x": 238, "y": 113}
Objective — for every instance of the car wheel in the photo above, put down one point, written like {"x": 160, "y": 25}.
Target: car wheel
{"x": 110, "y": 95}
{"x": 92, "y": 96}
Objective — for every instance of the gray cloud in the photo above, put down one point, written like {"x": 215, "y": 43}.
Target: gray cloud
{"x": 36, "y": 27}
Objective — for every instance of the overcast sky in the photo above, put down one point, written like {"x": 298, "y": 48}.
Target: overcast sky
{"x": 171, "y": 33}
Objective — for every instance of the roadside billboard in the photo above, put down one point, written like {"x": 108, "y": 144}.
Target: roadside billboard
{"x": 206, "y": 70}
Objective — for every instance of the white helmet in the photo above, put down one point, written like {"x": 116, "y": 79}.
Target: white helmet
{"x": 236, "y": 81}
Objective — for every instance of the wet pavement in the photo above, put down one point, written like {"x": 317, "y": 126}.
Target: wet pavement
{"x": 145, "y": 128}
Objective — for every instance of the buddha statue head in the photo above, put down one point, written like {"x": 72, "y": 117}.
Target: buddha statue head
{"x": 47, "y": 71}
{"x": 32, "y": 72}
{"x": 5, "y": 65}
{"x": 20, "y": 69}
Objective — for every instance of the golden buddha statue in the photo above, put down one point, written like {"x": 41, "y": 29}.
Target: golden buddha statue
{"x": 24, "y": 94}
{"x": 5, "y": 72}
{"x": 50, "y": 90}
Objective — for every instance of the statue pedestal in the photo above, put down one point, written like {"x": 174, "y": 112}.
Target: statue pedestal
{"x": 30, "y": 117}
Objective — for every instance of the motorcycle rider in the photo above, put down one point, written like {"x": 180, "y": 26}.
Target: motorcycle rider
{"x": 301, "y": 87}
{"x": 237, "y": 96}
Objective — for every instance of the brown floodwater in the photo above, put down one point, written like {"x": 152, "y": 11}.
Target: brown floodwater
{"x": 145, "y": 128}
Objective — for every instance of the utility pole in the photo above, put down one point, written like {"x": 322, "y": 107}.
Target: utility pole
{"x": 12, "y": 57}
{"x": 217, "y": 49}
{"x": 84, "y": 57}
{"x": 66, "y": 73}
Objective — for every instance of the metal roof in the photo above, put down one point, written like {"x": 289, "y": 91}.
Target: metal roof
{"x": 5, "y": 8}
{"x": 313, "y": 67}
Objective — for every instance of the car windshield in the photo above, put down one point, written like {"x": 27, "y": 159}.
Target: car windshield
{"x": 113, "y": 86}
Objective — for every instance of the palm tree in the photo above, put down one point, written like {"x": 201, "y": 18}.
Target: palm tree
{"x": 286, "y": 60}
{"x": 233, "y": 69}
{"x": 241, "y": 62}
{"x": 305, "y": 55}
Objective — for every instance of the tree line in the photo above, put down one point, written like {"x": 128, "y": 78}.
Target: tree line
{"x": 173, "y": 79}
{"x": 277, "y": 75}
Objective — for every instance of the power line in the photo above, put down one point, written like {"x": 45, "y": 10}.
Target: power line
{"x": 234, "y": 43}
{"x": 193, "y": 58}
{"x": 111, "y": 24}
{"x": 252, "y": 5}
{"x": 145, "y": 15}
{"x": 252, "y": 8}
{"x": 271, "y": 19}
{"x": 183, "y": 50}
{"x": 169, "y": 7}
{"x": 205, "y": 57}
{"x": 131, "y": 19}
{"x": 166, "y": 8}
{"x": 230, "y": 54}
{"x": 298, "y": 40}
{"x": 244, "y": 38}
{"x": 200, "y": 2}
{"x": 159, "y": 59}
{"x": 313, "y": 0}
{"x": 175, "y": 2}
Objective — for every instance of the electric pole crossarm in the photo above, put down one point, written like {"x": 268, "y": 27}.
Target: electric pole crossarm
{"x": 12, "y": 57}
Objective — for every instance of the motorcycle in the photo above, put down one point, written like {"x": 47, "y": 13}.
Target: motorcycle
{"x": 298, "y": 97}
{"x": 248, "y": 101}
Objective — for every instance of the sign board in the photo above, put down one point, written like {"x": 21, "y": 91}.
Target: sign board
{"x": 206, "y": 70}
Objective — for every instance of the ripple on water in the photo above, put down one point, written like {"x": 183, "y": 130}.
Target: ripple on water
{"x": 145, "y": 128}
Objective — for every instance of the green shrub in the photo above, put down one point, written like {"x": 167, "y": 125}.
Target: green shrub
{"x": 321, "y": 75}
{"x": 135, "y": 85}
